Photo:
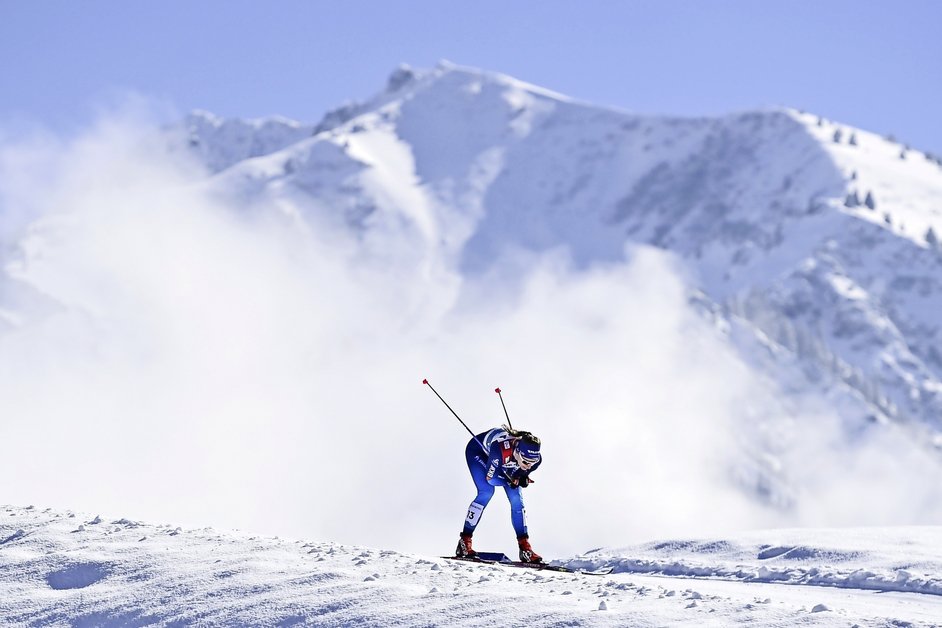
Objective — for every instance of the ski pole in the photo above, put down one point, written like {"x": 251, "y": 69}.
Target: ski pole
{"x": 425, "y": 381}
{"x": 473, "y": 437}
{"x": 509, "y": 424}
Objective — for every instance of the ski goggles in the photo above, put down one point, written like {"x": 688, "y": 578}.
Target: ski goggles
{"x": 525, "y": 460}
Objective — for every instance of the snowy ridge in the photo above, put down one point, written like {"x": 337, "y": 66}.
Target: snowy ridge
{"x": 63, "y": 568}
{"x": 221, "y": 143}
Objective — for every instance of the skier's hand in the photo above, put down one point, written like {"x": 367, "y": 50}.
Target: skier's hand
{"x": 524, "y": 481}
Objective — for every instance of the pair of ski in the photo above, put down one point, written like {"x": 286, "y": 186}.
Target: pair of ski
{"x": 497, "y": 558}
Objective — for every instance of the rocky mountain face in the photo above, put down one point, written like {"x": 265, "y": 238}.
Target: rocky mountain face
{"x": 812, "y": 244}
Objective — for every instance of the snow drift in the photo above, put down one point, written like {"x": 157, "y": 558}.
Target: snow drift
{"x": 65, "y": 568}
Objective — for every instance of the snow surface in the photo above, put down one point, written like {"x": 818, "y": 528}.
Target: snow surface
{"x": 64, "y": 568}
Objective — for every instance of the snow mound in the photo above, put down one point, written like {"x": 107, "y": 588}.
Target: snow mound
{"x": 63, "y": 568}
{"x": 879, "y": 559}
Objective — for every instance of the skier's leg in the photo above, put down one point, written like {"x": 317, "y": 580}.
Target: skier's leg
{"x": 478, "y": 468}
{"x": 518, "y": 514}
{"x": 476, "y": 510}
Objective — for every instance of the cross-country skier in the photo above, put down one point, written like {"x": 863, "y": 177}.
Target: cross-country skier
{"x": 501, "y": 457}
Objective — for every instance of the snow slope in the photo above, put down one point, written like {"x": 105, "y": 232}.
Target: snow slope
{"x": 64, "y": 568}
{"x": 221, "y": 143}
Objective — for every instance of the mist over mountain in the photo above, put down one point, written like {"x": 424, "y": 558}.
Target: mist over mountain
{"x": 733, "y": 318}
{"x": 817, "y": 239}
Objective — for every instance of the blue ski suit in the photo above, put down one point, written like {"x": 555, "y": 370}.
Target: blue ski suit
{"x": 491, "y": 462}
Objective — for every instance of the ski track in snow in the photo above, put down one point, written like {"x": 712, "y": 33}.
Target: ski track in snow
{"x": 72, "y": 569}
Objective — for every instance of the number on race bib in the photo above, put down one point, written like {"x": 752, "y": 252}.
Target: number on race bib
{"x": 474, "y": 513}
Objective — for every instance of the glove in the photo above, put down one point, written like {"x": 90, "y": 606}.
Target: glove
{"x": 522, "y": 481}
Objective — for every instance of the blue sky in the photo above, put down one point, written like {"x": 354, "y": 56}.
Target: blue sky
{"x": 876, "y": 65}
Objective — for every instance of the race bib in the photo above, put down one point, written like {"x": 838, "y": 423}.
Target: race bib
{"x": 474, "y": 513}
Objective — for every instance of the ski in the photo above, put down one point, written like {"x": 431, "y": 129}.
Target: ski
{"x": 506, "y": 562}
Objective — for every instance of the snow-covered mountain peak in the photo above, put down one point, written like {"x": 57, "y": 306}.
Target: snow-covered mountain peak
{"x": 207, "y": 118}
{"x": 887, "y": 183}
{"x": 406, "y": 81}
{"x": 498, "y": 78}
{"x": 221, "y": 142}
{"x": 819, "y": 236}
{"x": 445, "y": 82}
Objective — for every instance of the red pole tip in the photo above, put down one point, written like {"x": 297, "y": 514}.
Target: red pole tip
{"x": 497, "y": 390}
{"x": 425, "y": 381}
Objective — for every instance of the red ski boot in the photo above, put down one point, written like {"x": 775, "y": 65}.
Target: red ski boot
{"x": 464, "y": 549}
{"x": 527, "y": 555}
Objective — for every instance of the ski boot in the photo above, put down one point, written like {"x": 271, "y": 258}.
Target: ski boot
{"x": 527, "y": 555}
{"x": 464, "y": 549}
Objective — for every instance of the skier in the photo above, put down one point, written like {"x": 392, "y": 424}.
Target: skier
{"x": 503, "y": 457}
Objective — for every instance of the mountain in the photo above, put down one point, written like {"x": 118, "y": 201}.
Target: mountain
{"x": 67, "y": 568}
{"x": 199, "y": 339}
{"x": 811, "y": 244}
{"x": 223, "y": 143}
